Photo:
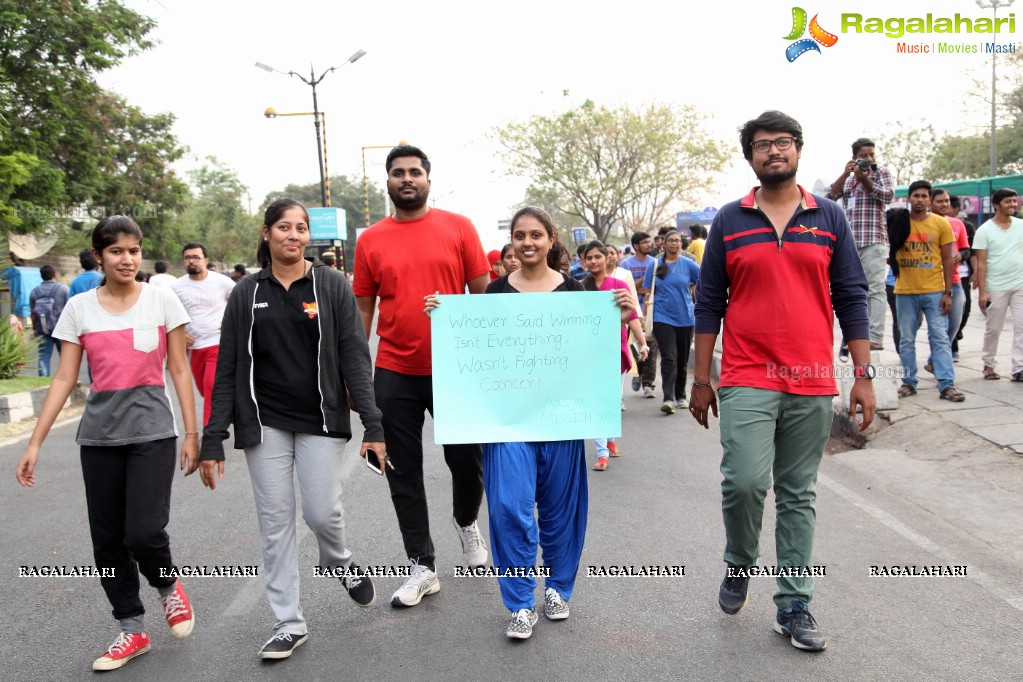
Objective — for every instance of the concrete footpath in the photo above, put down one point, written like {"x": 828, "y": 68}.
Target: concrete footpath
{"x": 962, "y": 462}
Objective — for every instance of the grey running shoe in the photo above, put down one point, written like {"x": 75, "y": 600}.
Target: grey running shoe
{"x": 473, "y": 548}
{"x": 421, "y": 583}
{"x": 521, "y": 624}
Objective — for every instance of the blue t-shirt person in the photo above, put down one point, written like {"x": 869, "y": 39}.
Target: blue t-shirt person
{"x": 89, "y": 279}
{"x": 673, "y": 302}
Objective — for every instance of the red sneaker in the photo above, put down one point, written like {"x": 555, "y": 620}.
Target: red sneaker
{"x": 612, "y": 449}
{"x": 178, "y": 611}
{"x": 124, "y": 648}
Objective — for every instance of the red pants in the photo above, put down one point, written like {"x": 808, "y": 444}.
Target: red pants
{"x": 204, "y": 369}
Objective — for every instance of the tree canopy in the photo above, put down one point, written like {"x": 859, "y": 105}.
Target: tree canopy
{"x": 67, "y": 143}
{"x": 615, "y": 165}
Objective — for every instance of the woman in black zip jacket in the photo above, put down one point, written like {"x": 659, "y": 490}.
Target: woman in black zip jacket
{"x": 291, "y": 344}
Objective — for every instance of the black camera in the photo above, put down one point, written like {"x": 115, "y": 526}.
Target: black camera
{"x": 866, "y": 165}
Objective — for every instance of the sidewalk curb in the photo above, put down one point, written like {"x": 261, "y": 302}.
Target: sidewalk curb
{"x": 15, "y": 407}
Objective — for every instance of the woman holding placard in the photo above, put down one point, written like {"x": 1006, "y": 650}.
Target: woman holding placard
{"x": 548, "y": 476}
{"x": 595, "y": 256}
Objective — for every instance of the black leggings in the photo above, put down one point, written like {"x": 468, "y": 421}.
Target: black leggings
{"x": 127, "y": 492}
{"x": 674, "y": 343}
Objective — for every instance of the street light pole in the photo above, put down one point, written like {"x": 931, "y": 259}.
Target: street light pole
{"x": 321, "y": 117}
{"x": 993, "y": 5}
{"x": 312, "y": 82}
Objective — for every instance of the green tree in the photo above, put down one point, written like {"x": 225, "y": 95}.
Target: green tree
{"x": 617, "y": 164}
{"x": 110, "y": 155}
{"x": 216, "y": 215}
{"x": 906, "y": 151}
{"x": 958, "y": 157}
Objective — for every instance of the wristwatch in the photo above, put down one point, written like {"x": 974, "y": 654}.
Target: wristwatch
{"x": 948, "y": 293}
{"x": 865, "y": 372}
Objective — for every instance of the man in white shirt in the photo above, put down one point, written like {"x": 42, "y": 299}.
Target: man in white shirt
{"x": 204, "y": 294}
{"x": 161, "y": 278}
{"x": 998, "y": 245}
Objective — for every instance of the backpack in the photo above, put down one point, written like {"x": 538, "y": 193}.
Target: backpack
{"x": 43, "y": 318}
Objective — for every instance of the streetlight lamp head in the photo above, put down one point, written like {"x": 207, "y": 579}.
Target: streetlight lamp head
{"x": 265, "y": 67}
{"x": 270, "y": 112}
{"x": 357, "y": 56}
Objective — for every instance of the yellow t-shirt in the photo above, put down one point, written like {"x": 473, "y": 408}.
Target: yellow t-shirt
{"x": 696, "y": 248}
{"x": 920, "y": 267}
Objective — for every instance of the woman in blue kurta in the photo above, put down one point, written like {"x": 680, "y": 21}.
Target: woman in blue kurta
{"x": 673, "y": 318}
{"x": 546, "y": 476}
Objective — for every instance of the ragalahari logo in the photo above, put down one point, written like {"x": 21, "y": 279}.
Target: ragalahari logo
{"x": 818, "y": 35}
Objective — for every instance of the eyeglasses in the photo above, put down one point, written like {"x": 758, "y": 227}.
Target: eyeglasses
{"x": 782, "y": 143}
{"x": 193, "y": 257}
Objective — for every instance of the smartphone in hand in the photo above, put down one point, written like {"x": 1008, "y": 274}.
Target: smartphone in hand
{"x": 374, "y": 463}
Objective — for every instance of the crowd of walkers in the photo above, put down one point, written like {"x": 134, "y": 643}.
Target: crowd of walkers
{"x": 281, "y": 358}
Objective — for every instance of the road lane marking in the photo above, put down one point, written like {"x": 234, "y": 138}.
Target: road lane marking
{"x": 884, "y": 518}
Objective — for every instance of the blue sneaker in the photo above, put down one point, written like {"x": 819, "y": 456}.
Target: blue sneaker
{"x": 799, "y": 626}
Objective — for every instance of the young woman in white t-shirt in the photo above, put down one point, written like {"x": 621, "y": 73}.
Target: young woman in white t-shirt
{"x": 127, "y": 433}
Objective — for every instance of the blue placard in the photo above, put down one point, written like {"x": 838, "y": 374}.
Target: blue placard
{"x": 327, "y": 223}
{"x": 526, "y": 367}
{"x": 578, "y": 234}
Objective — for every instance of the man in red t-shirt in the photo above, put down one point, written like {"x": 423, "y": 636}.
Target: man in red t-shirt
{"x": 398, "y": 261}
{"x": 941, "y": 203}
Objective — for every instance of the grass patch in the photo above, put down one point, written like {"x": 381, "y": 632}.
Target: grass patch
{"x": 19, "y": 384}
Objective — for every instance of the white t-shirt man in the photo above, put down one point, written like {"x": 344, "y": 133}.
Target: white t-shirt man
{"x": 162, "y": 279}
{"x": 205, "y": 300}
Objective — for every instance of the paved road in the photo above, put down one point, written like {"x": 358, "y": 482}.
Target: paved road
{"x": 659, "y": 504}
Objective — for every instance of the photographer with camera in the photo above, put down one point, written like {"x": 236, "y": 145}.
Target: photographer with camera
{"x": 865, "y": 189}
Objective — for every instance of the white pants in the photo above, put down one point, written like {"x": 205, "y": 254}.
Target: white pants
{"x": 1002, "y": 301}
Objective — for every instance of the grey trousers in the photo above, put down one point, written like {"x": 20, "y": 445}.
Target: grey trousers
{"x": 317, "y": 460}
{"x": 874, "y": 259}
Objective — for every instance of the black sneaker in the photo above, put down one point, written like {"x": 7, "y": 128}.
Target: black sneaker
{"x": 798, "y": 625}
{"x": 282, "y": 645}
{"x": 734, "y": 590}
{"x": 843, "y": 353}
{"x": 359, "y": 585}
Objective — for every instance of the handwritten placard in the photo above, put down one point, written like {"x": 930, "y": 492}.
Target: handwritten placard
{"x": 526, "y": 367}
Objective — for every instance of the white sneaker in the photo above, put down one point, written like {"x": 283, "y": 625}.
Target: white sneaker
{"x": 473, "y": 548}
{"x": 422, "y": 582}
{"x": 521, "y": 625}
{"x": 648, "y": 392}
{"x": 554, "y": 607}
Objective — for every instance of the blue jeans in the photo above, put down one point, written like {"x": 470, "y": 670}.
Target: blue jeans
{"x": 910, "y": 308}
{"x": 46, "y": 346}
{"x": 955, "y": 318}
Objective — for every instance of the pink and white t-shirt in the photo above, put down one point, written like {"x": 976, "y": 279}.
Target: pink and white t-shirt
{"x": 129, "y": 401}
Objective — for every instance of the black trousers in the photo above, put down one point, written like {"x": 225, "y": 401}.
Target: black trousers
{"x": 647, "y": 369}
{"x": 890, "y": 290}
{"x": 966, "y": 313}
{"x": 404, "y": 399}
{"x": 674, "y": 343}
{"x": 128, "y": 491}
